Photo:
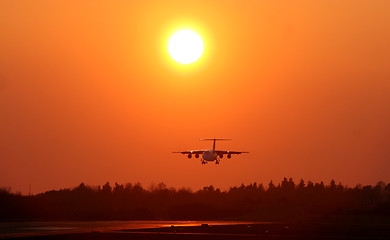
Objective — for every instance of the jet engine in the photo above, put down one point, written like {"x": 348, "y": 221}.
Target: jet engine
{"x": 221, "y": 156}
{"x": 229, "y": 156}
{"x": 189, "y": 155}
{"x": 197, "y": 155}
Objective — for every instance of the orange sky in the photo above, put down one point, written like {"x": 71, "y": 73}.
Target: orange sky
{"x": 88, "y": 94}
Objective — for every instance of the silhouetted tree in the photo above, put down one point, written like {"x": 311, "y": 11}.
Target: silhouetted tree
{"x": 107, "y": 188}
{"x": 271, "y": 186}
{"x": 301, "y": 184}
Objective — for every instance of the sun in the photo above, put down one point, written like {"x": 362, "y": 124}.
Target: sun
{"x": 185, "y": 46}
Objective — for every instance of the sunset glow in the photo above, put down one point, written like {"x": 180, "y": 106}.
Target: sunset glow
{"x": 94, "y": 91}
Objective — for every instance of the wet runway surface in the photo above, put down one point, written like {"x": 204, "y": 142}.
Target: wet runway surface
{"x": 19, "y": 229}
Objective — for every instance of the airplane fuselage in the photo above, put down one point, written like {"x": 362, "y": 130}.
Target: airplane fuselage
{"x": 209, "y": 155}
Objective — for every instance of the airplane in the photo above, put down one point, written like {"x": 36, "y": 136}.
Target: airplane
{"x": 210, "y": 155}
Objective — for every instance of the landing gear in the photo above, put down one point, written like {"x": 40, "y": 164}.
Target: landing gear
{"x": 203, "y": 161}
{"x": 217, "y": 161}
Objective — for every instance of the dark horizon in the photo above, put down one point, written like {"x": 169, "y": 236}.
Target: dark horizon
{"x": 286, "y": 200}
{"x": 153, "y": 186}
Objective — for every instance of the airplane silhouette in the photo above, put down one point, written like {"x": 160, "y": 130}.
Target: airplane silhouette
{"x": 210, "y": 155}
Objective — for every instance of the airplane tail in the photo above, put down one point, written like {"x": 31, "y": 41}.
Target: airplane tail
{"x": 214, "y": 139}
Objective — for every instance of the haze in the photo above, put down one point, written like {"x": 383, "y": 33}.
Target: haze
{"x": 86, "y": 94}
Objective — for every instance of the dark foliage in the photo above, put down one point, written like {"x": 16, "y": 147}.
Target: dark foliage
{"x": 286, "y": 200}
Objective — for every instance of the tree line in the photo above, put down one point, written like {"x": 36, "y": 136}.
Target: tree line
{"x": 282, "y": 201}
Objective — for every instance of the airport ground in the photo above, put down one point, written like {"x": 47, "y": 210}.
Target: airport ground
{"x": 286, "y": 230}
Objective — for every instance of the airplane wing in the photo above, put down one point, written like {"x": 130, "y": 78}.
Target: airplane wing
{"x": 219, "y": 152}
{"x": 191, "y": 152}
